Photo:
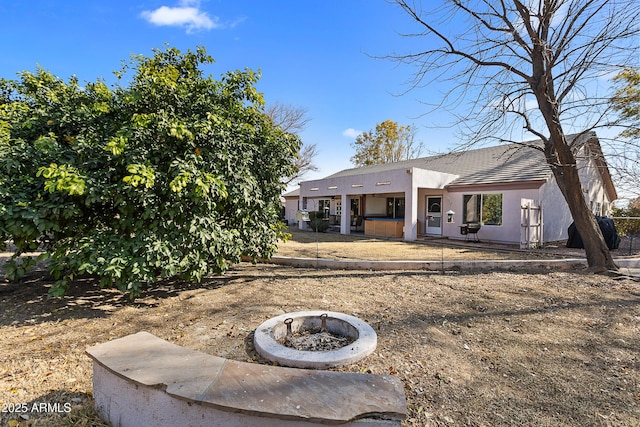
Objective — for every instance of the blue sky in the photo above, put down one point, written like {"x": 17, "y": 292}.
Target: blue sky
{"x": 315, "y": 54}
{"x": 312, "y": 54}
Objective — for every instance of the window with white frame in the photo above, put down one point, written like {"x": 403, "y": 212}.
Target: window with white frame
{"x": 485, "y": 209}
{"x": 598, "y": 209}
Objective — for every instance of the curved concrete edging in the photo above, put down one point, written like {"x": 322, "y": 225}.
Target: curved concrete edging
{"x": 355, "y": 264}
{"x": 142, "y": 380}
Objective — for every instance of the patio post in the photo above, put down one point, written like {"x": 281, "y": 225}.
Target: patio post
{"x": 411, "y": 213}
{"x": 345, "y": 217}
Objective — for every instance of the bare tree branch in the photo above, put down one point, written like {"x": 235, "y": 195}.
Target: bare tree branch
{"x": 290, "y": 119}
{"x": 528, "y": 67}
{"x": 294, "y": 120}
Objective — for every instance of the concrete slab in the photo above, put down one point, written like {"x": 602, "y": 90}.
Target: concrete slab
{"x": 318, "y": 396}
{"x": 380, "y": 265}
{"x": 150, "y": 361}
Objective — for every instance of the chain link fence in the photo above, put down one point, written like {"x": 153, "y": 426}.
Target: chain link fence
{"x": 628, "y": 229}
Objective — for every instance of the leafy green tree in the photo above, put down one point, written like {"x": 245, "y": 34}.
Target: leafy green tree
{"x": 624, "y": 160}
{"x": 170, "y": 173}
{"x": 388, "y": 143}
{"x": 627, "y": 221}
{"x": 626, "y": 101}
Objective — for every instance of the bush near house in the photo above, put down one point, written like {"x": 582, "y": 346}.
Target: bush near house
{"x": 317, "y": 222}
{"x": 627, "y": 221}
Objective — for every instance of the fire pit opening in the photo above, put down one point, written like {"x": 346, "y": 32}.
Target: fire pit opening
{"x": 311, "y": 336}
{"x": 314, "y": 339}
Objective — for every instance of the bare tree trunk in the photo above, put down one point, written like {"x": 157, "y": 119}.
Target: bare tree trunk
{"x": 563, "y": 165}
{"x": 510, "y": 50}
{"x": 561, "y": 158}
{"x": 598, "y": 255}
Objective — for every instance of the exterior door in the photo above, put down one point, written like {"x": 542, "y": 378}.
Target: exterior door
{"x": 434, "y": 215}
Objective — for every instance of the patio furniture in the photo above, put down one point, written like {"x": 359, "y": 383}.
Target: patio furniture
{"x": 356, "y": 223}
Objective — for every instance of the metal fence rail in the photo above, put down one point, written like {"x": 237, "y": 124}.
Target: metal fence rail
{"x": 629, "y": 233}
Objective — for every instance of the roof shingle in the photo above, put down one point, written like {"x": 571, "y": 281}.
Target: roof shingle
{"x": 502, "y": 163}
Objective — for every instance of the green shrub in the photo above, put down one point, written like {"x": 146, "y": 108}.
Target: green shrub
{"x": 626, "y": 221}
{"x": 171, "y": 174}
{"x": 317, "y": 223}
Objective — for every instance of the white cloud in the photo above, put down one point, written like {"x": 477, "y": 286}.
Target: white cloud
{"x": 351, "y": 132}
{"x": 187, "y": 14}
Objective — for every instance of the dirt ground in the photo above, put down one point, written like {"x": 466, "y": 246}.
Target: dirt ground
{"x": 502, "y": 348}
{"x": 358, "y": 246}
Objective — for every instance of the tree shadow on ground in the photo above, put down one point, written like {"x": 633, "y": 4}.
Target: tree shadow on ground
{"x": 26, "y": 302}
{"x": 573, "y": 357}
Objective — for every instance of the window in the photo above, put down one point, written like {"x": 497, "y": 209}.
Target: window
{"x": 485, "y": 209}
{"x": 324, "y": 206}
{"x": 395, "y": 207}
{"x": 598, "y": 209}
{"x": 355, "y": 207}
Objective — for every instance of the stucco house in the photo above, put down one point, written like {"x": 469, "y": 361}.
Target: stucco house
{"x": 508, "y": 189}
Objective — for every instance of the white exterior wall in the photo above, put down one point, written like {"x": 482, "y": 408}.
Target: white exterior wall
{"x": 291, "y": 210}
{"x": 383, "y": 182}
{"x": 557, "y": 216}
{"x": 509, "y": 231}
{"x": 595, "y": 193}
{"x": 399, "y": 182}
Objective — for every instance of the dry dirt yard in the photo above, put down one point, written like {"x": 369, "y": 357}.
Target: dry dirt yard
{"x": 501, "y": 348}
{"x": 357, "y": 246}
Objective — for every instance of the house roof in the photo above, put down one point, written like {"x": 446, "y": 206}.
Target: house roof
{"x": 507, "y": 163}
{"x": 502, "y": 163}
{"x": 293, "y": 193}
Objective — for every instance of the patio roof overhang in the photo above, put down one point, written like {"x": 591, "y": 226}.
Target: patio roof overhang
{"x": 389, "y": 181}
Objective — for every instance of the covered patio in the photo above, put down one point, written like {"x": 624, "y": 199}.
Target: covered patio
{"x": 380, "y": 202}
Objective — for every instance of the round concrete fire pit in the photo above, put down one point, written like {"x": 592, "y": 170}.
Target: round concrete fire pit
{"x": 269, "y": 337}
